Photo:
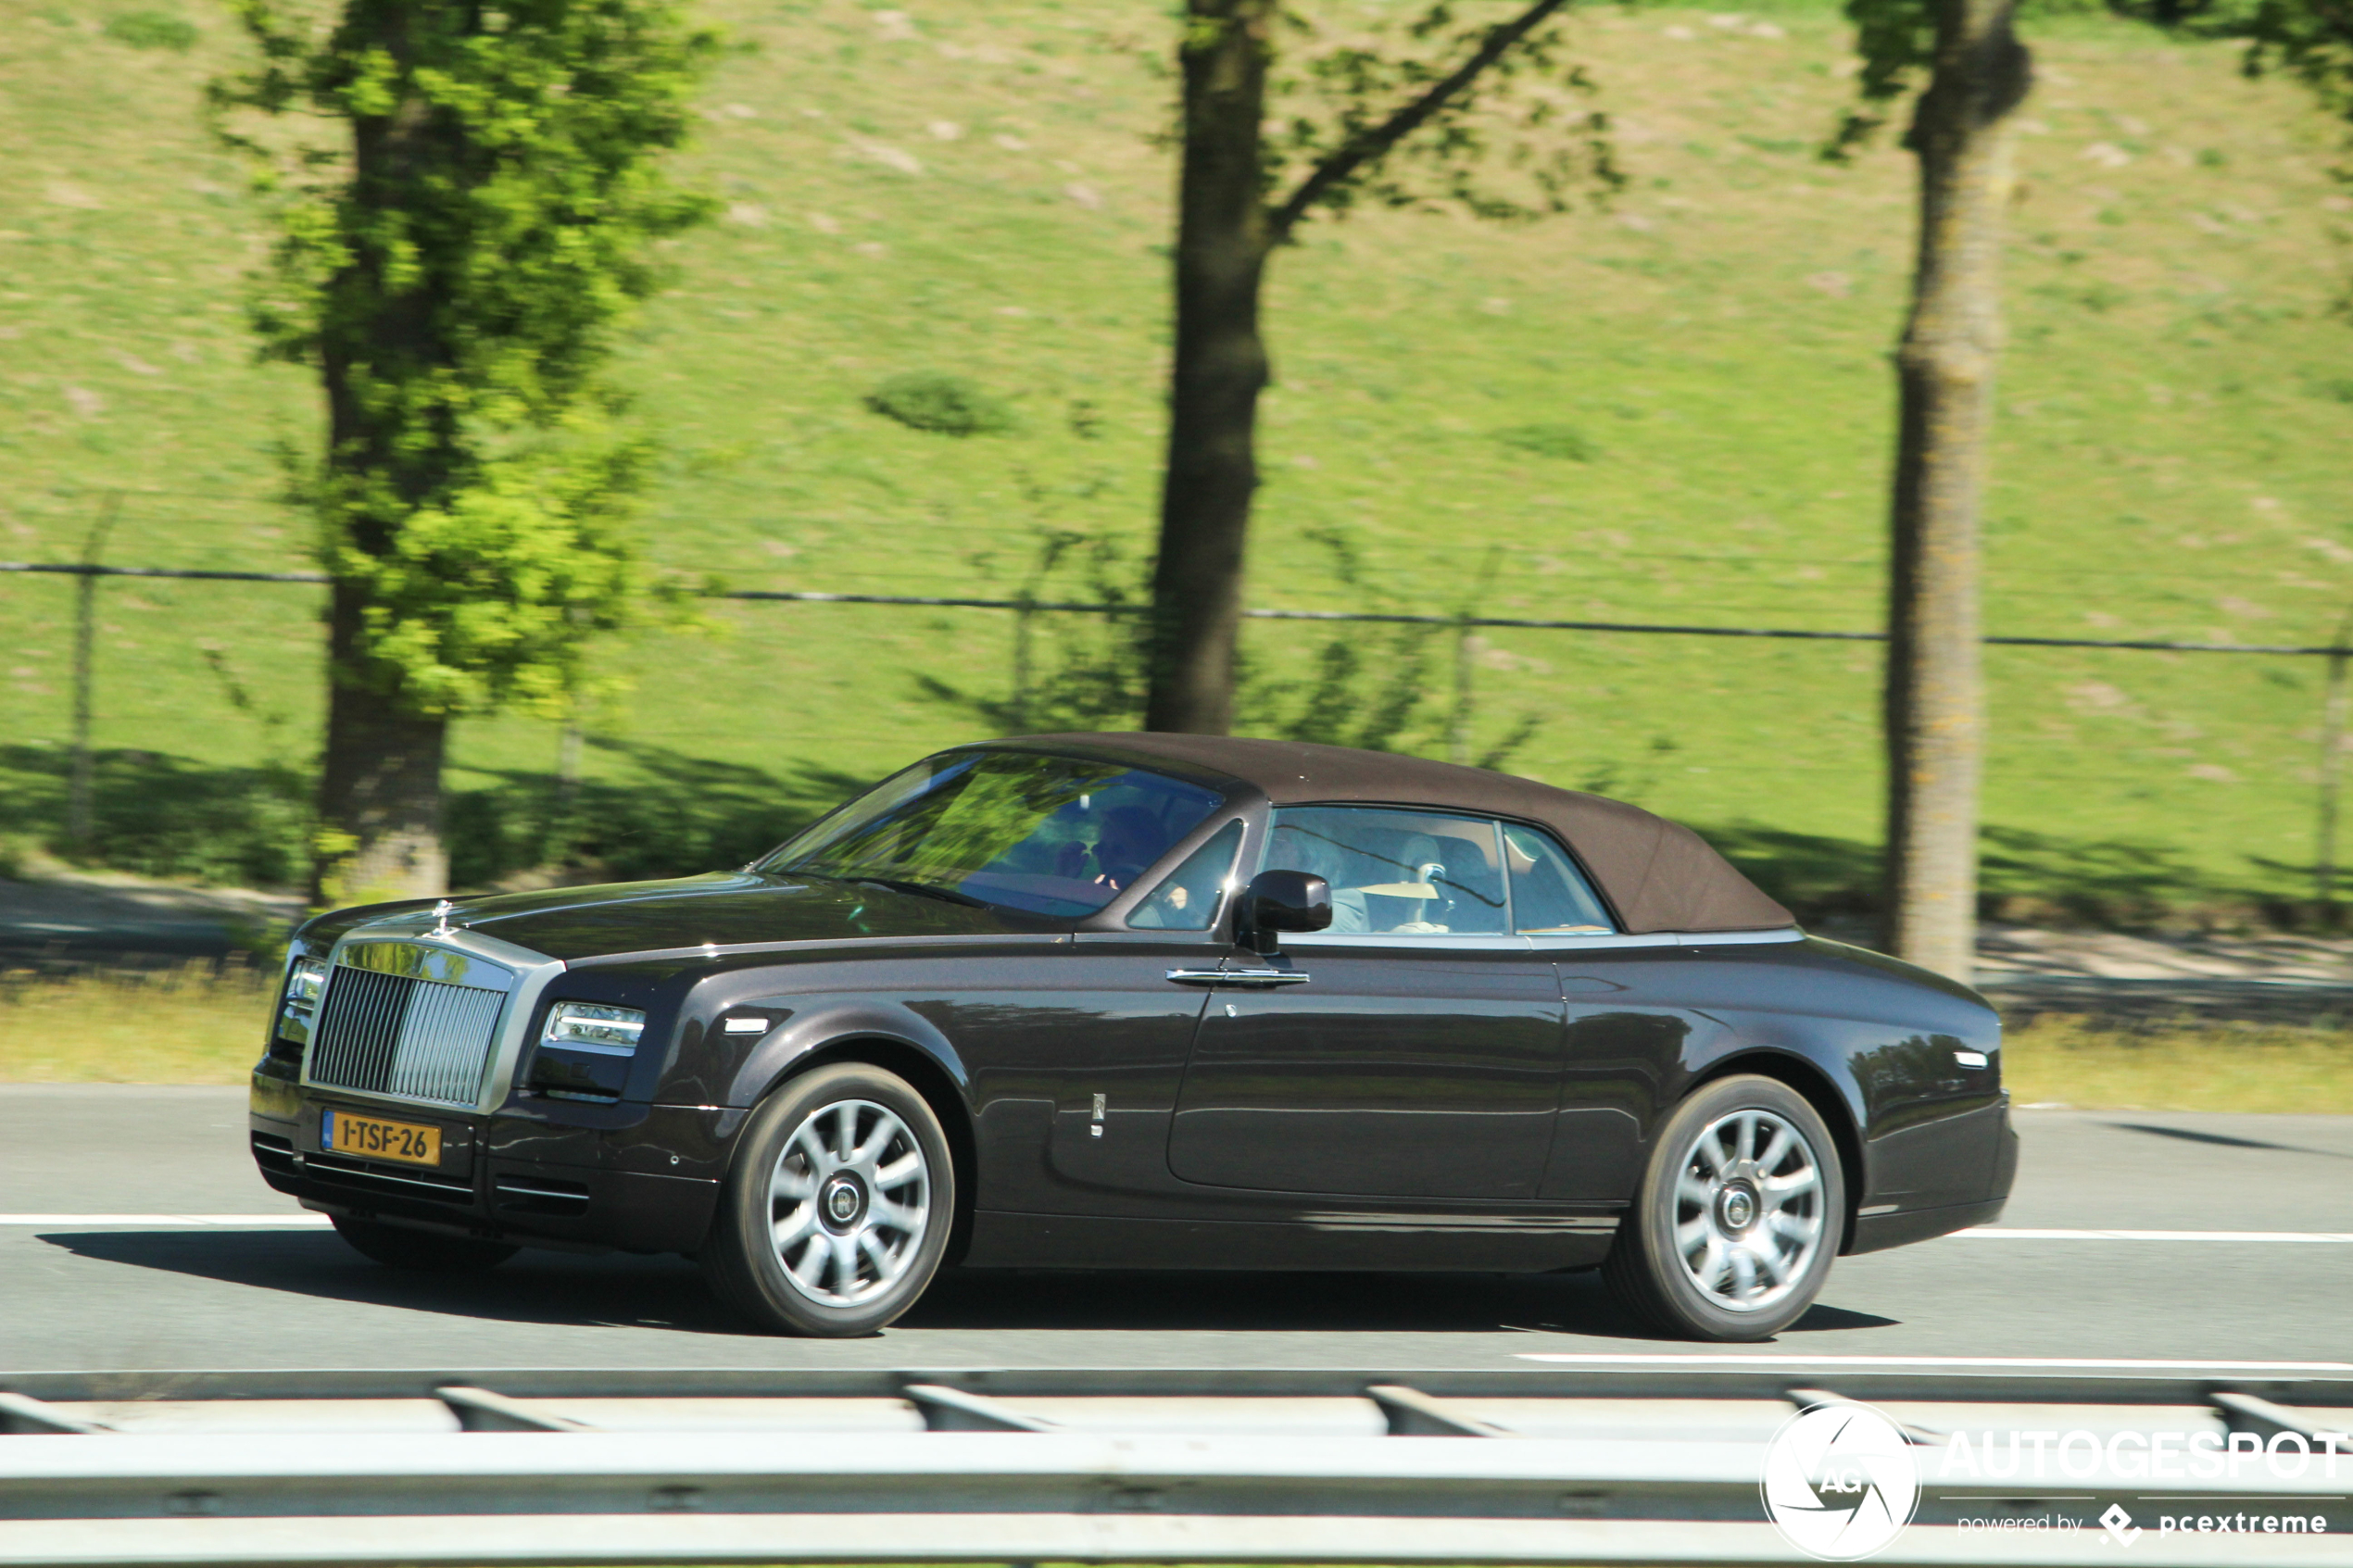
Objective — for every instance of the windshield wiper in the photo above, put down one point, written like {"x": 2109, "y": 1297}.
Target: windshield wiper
{"x": 924, "y": 889}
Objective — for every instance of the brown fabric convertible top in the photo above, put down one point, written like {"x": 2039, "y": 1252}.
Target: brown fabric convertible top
{"x": 1658, "y": 875}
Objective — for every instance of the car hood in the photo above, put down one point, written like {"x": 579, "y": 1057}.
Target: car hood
{"x": 721, "y": 910}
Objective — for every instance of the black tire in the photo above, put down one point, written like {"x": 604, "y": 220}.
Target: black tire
{"x": 1671, "y": 1244}
{"x": 428, "y": 1252}
{"x": 790, "y": 1248}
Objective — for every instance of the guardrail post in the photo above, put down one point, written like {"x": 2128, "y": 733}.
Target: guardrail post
{"x": 80, "y": 785}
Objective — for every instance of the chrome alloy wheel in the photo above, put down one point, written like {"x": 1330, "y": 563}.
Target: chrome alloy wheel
{"x": 848, "y": 1202}
{"x": 1748, "y": 1211}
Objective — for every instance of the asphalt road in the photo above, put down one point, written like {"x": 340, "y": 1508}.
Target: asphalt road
{"x": 80, "y": 1294}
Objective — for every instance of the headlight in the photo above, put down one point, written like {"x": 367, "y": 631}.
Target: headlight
{"x": 306, "y": 982}
{"x": 592, "y": 1026}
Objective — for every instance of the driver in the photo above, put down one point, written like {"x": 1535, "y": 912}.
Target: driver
{"x": 1129, "y": 841}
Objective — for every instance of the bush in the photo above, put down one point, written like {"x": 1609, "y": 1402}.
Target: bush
{"x": 1551, "y": 441}
{"x": 940, "y": 404}
{"x": 152, "y": 30}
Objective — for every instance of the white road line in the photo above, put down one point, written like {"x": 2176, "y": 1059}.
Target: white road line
{"x": 2037, "y": 1363}
{"x": 2007, "y": 1233}
{"x": 158, "y": 1222}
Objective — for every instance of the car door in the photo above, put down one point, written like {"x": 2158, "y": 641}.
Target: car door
{"x": 1414, "y": 1050}
{"x": 1076, "y": 1056}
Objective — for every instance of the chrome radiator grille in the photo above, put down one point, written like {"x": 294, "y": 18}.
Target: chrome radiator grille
{"x": 396, "y": 1035}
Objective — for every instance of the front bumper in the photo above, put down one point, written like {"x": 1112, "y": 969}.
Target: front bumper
{"x": 536, "y": 1173}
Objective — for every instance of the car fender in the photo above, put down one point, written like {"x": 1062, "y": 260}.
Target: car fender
{"x": 1783, "y": 1048}
{"x": 817, "y": 1022}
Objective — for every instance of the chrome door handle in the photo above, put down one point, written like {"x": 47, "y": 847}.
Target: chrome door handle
{"x": 1238, "y": 976}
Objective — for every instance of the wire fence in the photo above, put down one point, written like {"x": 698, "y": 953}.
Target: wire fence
{"x": 1464, "y": 624}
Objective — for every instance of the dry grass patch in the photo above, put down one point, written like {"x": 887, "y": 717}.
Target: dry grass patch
{"x": 188, "y": 1025}
{"x": 2074, "y": 1061}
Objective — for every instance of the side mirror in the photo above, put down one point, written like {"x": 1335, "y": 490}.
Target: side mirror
{"x": 1278, "y": 901}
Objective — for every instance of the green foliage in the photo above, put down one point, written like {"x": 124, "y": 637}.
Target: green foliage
{"x": 1368, "y": 684}
{"x": 152, "y": 30}
{"x": 2311, "y": 40}
{"x": 1073, "y": 671}
{"x": 458, "y": 277}
{"x": 1502, "y": 146}
{"x": 1551, "y": 441}
{"x": 1896, "y": 42}
{"x": 943, "y": 405}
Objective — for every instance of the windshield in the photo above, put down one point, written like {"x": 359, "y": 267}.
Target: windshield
{"x": 1051, "y": 836}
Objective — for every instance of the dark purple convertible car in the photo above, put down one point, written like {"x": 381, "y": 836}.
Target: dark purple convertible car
{"x": 1145, "y": 1001}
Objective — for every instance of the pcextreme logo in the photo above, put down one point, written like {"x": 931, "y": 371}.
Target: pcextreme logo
{"x": 1840, "y": 1482}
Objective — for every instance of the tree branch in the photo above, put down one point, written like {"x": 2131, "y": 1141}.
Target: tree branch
{"x": 1372, "y": 145}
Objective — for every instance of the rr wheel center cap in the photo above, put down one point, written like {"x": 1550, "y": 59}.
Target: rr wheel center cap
{"x": 1736, "y": 1207}
{"x": 843, "y": 1202}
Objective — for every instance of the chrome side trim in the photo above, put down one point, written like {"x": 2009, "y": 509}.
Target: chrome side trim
{"x": 1738, "y": 938}
{"x": 1665, "y": 939}
{"x": 1539, "y": 942}
{"x": 1432, "y": 941}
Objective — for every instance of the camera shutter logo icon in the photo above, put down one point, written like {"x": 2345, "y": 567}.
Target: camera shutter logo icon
{"x": 1840, "y": 1482}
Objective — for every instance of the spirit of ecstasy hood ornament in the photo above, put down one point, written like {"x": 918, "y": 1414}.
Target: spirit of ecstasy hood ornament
{"x": 441, "y": 917}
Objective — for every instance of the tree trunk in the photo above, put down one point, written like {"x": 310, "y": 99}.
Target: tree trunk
{"x": 1935, "y": 699}
{"x": 1220, "y": 366}
{"x": 380, "y": 795}
{"x": 379, "y": 787}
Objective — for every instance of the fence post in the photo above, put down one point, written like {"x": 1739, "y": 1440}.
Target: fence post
{"x": 1022, "y": 614}
{"x": 2332, "y": 776}
{"x": 1466, "y": 647}
{"x": 80, "y": 784}
{"x": 1458, "y": 723}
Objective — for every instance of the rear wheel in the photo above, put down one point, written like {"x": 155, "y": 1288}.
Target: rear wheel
{"x": 420, "y": 1251}
{"x": 1740, "y": 1215}
{"x": 836, "y": 1212}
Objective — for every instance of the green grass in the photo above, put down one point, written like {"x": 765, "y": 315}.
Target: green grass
{"x": 1679, "y": 409}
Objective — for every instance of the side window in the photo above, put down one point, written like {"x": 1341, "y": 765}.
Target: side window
{"x": 1550, "y": 895}
{"x": 1188, "y": 898}
{"x": 1416, "y": 873}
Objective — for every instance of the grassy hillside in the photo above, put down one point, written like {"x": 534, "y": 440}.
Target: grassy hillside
{"x": 1676, "y": 410}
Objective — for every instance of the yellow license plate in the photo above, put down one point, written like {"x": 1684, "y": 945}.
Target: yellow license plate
{"x": 342, "y": 1133}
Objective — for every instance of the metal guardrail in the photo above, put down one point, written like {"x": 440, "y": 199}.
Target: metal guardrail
{"x": 1001, "y": 1465}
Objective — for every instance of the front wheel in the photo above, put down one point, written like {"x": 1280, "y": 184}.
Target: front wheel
{"x": 1740, "y": 1211}
{"x": 837, "y": 1210}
